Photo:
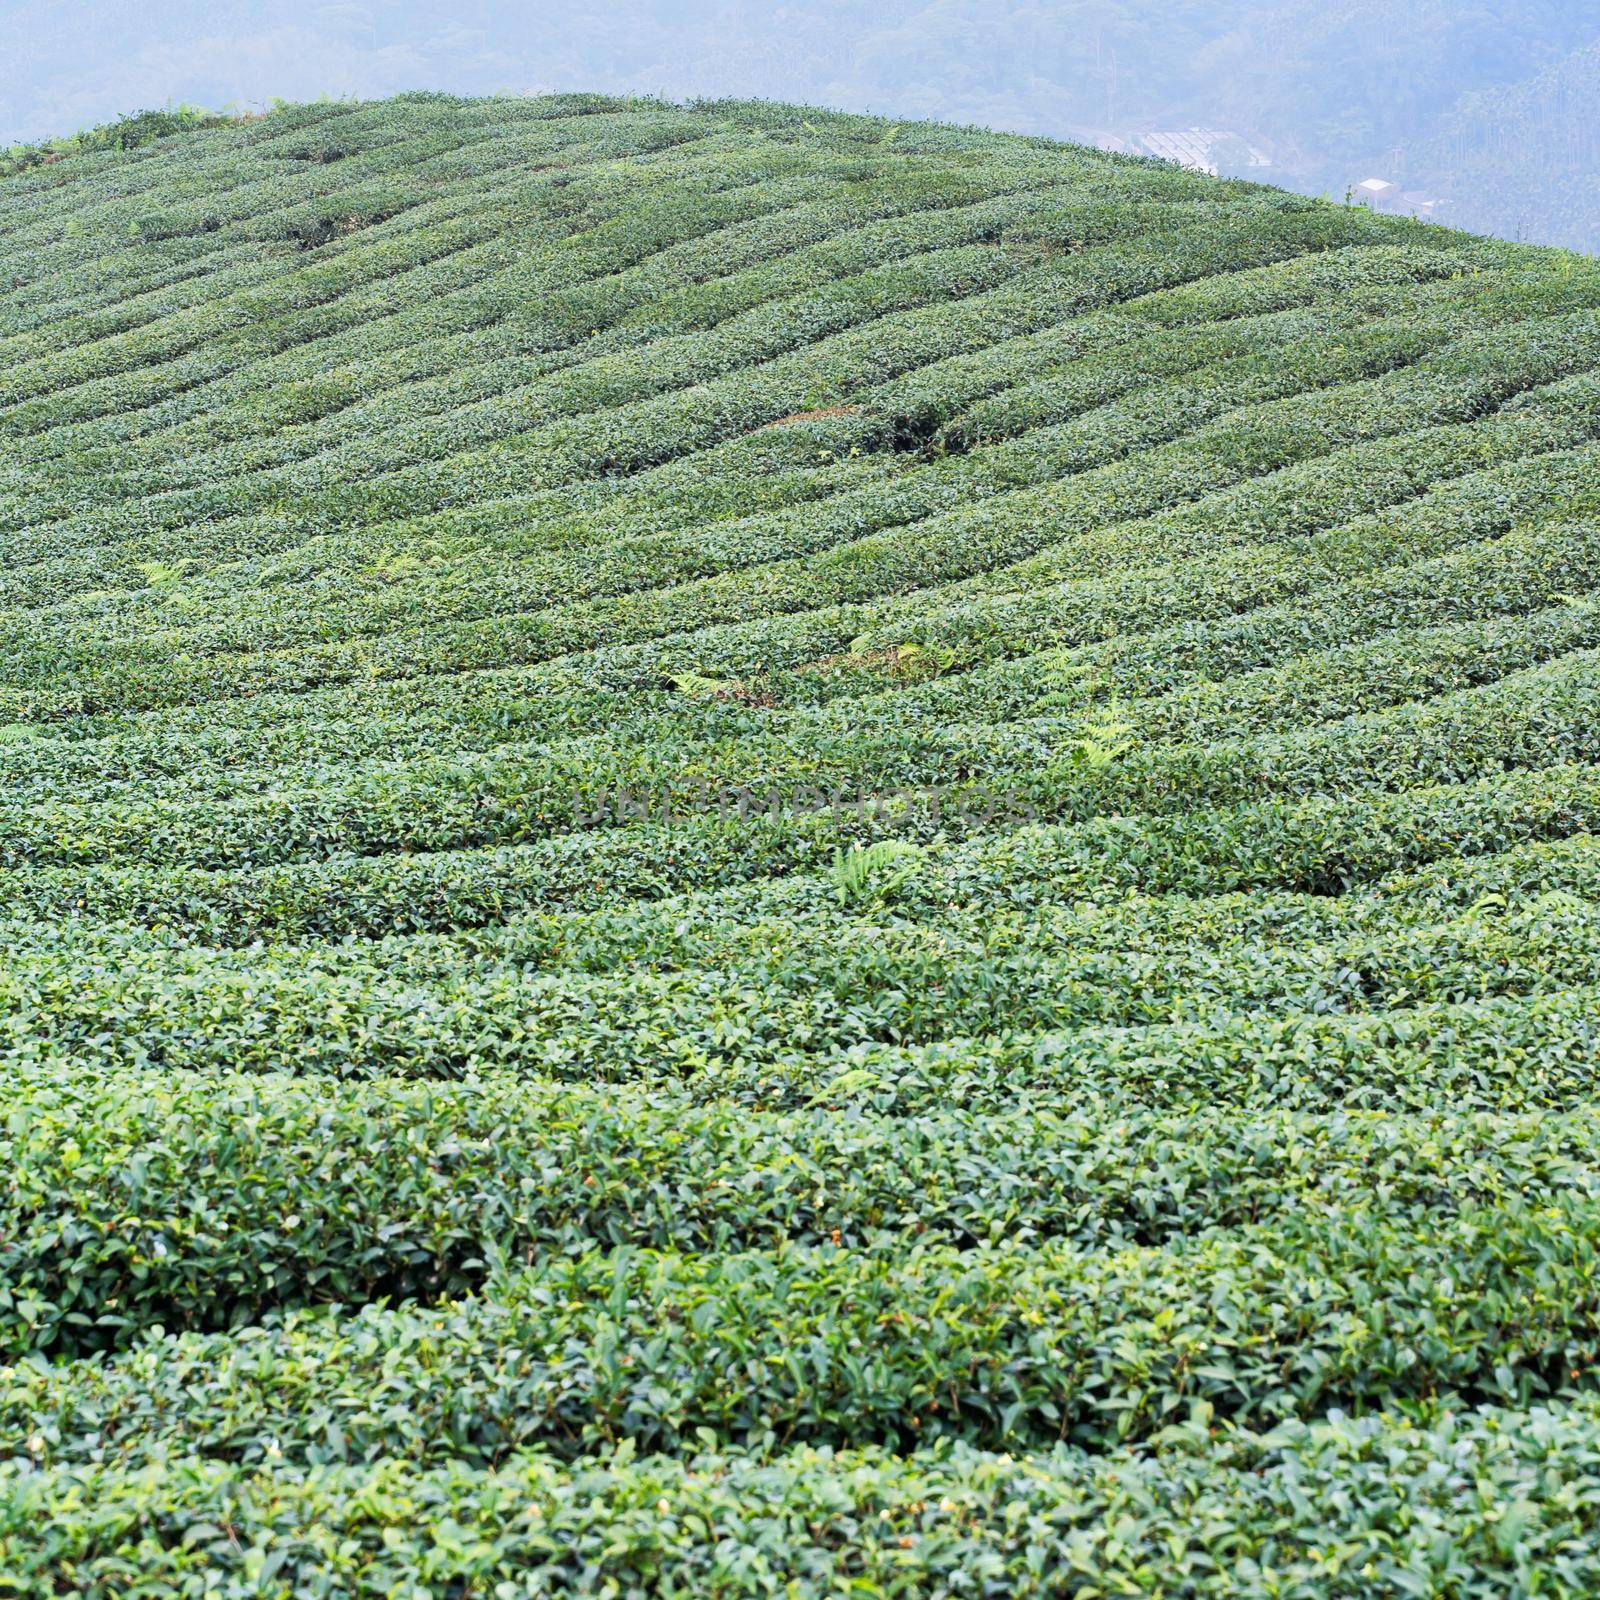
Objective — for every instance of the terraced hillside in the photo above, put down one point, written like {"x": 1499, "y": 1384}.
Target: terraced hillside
{"x": 747, "y": 852}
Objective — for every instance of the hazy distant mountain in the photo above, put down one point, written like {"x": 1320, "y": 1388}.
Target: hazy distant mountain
{"x": 1525, "y": 161}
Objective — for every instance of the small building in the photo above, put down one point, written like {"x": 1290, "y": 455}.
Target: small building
{"x": 1376, "y": 192}
{"x": 1417, "y": 204}
{"x": 1198, "y": 148}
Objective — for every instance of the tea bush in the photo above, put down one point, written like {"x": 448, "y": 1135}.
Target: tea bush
{"x": 747, "y": 852}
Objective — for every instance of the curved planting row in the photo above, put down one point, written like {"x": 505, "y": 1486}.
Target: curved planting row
{"x": 744, "y": 851}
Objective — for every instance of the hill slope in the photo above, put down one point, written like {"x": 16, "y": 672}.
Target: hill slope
{"x": 746, "y": 847}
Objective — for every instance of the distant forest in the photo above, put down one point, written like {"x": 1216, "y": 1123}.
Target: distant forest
{"x": 1490, "y": 108}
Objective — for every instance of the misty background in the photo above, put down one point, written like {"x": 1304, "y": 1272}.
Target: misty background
{"x": 1484, "y": 116}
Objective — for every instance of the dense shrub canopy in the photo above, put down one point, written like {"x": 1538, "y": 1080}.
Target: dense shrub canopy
{"x": 750, "y": 852}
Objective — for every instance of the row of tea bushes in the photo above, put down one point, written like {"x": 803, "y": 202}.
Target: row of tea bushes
{"x": 1477, "y": 1504}
{"x": 1006, "y": 1344}
{"x": 391, "y": 1192}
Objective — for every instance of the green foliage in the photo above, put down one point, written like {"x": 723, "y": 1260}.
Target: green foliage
{"x": 128, "y": 132}
{"x": 699, "y": 687}
{"x": 1082, "y": 998}
{"x": 915, "y": 660}
{"x": 1101, "y": 739}
{"x": 1230, "y": 1506}
{"x": 871, "y": 873}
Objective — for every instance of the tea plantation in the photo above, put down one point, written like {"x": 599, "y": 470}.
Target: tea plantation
{"x": 747, "y": 852}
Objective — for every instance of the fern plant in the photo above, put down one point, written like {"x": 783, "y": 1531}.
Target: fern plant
{"x": 160, "y": 573}
{"x": 697, "y": 686}
{"x": 1103, "y": 739}
{"x": 918, "y": 661}
{"x": 866, "y": 874}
